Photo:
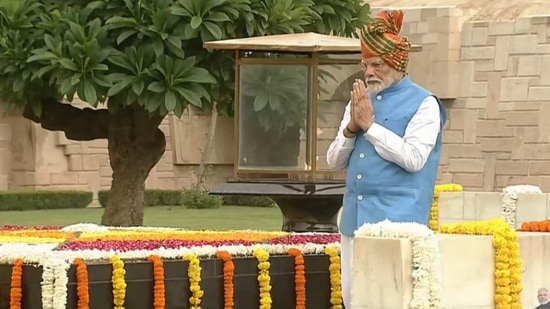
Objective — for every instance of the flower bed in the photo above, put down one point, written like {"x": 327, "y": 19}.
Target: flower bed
{"x": 89, "y": 266}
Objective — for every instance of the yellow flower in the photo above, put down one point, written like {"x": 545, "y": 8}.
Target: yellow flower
{"x": 264, "y": 278}
{"x": 194, "y": 274}
{"x": 30, "y": 240}
{"x": 335, "y": 278}
{"x": 151, "y": 234}
{"x": 434, "y": 213}
{"x": 508, "y": 263}
{"x": 119, "y": 282}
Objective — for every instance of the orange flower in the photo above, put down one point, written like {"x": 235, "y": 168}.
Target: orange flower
{"x": 299, "y": 278}
{"x": 16, "y": 285}
{"x": 82, "y": 292}
{"x": 535, "y": 226}
{"x": 159, "y": 301}
{"x": 228, "y": 274}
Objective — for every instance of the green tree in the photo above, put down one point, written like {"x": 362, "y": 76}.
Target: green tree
{"x": 142, "y": 59}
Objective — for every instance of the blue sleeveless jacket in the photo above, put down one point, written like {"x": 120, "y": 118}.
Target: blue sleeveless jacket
{"x": 377, "y": 189}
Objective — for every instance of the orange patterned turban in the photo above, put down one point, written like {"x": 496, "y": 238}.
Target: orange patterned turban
{"x": 381, "y": 38}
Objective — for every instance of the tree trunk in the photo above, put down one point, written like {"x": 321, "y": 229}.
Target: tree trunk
{"x": 201, "y": 179}
{"x": 136, "y": 144}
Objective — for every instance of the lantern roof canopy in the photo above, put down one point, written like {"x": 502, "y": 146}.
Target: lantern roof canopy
{"x": 293, "y": 42}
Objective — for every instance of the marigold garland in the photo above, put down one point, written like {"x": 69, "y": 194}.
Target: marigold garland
{"x": 16, "y": 284}
{"x": 194, "y": 274}
{"x": 263, "y": 277}
{"x": 228, "y": 275}
{"x": 535, "y": 226}
{"x": 82, "y": 289}
{"x": 159, "y": 301}
{"x": 508, "y": 263}
{"x": 335, "y": 278}
{"x": 119, "y": 282}
{"x": 434, "y": 212}
{"x": 299, "y": 277}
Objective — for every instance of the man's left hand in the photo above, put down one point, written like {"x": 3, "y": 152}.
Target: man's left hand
{"x": 362, "y": 106}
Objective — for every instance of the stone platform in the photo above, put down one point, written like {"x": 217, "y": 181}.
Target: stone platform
{"x": 382, "y": 271}
{"x": 457, "y": 207}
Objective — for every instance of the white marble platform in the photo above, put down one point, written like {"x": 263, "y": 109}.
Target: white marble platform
{"x": 382, "y": 271}
{"x": 457, "y": 207}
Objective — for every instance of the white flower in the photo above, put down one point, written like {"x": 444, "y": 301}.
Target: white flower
{"x": 85, "y": 227}
{"x": 426, "y": 274}
{"x": 56, "y": 263}
{"x": 509, "y": 200}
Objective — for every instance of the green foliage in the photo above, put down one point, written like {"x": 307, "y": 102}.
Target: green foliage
{"x": 41, "y": 200}
{"x": 146, "y": 52}
{"x": 152, "y": 197}
{"x": 200, "y": 199}
{"x": 248, "y": 201}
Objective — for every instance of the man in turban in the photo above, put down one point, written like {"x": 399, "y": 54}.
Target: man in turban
{"x": 389, "y": 140}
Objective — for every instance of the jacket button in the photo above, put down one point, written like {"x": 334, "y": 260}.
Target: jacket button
{"x": 359, "y": 176}
{"x": 379, "y": 97}
{"x": 361, "y": 155}
{"x": 360, "y": 197}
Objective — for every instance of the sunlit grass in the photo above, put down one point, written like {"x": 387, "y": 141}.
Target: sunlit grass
{"x": 226, "y": 217}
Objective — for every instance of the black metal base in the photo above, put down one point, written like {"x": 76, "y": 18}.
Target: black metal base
{"x": 139, "y": 279}
{"x": 309, "y": 214}
{"x": 306, "y": 207}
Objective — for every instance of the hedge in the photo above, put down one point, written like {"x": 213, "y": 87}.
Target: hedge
{"x": 40, "y": 200}
{"x": 153, "y": 197}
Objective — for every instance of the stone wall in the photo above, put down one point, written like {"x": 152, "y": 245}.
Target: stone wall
{"x": 497, "y": 95}
{"x": 44, "y": 160}
{"x": 494, "y": 78}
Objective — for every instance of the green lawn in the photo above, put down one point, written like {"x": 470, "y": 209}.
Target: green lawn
{"x": 226, "y": 217}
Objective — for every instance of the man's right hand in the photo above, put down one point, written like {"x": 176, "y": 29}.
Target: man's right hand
{"x": 352, "y": 127}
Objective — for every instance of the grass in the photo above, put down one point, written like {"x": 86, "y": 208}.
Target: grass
{"x": 224, "y": 218}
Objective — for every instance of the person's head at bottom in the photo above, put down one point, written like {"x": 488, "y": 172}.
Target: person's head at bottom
{"x": 385, "y": 54}
{"x": 542, "y": 295}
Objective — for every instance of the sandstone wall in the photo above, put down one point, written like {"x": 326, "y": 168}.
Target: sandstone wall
{"x": 493, "y": 76}
{"x": 495, "y": 79}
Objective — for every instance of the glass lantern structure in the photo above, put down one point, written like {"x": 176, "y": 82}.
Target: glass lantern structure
{"x": 290, "y": 94}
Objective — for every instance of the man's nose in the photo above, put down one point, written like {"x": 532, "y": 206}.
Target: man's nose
{"x": 368, "y": 74}
{"x": 369, "y": 71}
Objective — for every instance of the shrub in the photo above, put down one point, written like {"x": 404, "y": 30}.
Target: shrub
{"x": 199, "y": 199}
{"x": 153, "y": 197}
{"x": 39, "y": 200}
{"x": 248, "y": 200}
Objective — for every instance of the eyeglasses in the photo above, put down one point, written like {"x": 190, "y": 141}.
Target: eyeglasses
{"x": 375, "y": 65}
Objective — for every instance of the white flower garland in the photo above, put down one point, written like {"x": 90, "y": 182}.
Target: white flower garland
{"x": 426, "y": 273}
{"x": 510, "y": 198}
{"x": 55, "y": 263}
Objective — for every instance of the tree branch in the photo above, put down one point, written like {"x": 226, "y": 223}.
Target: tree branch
{"x": 78, "y": 124}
